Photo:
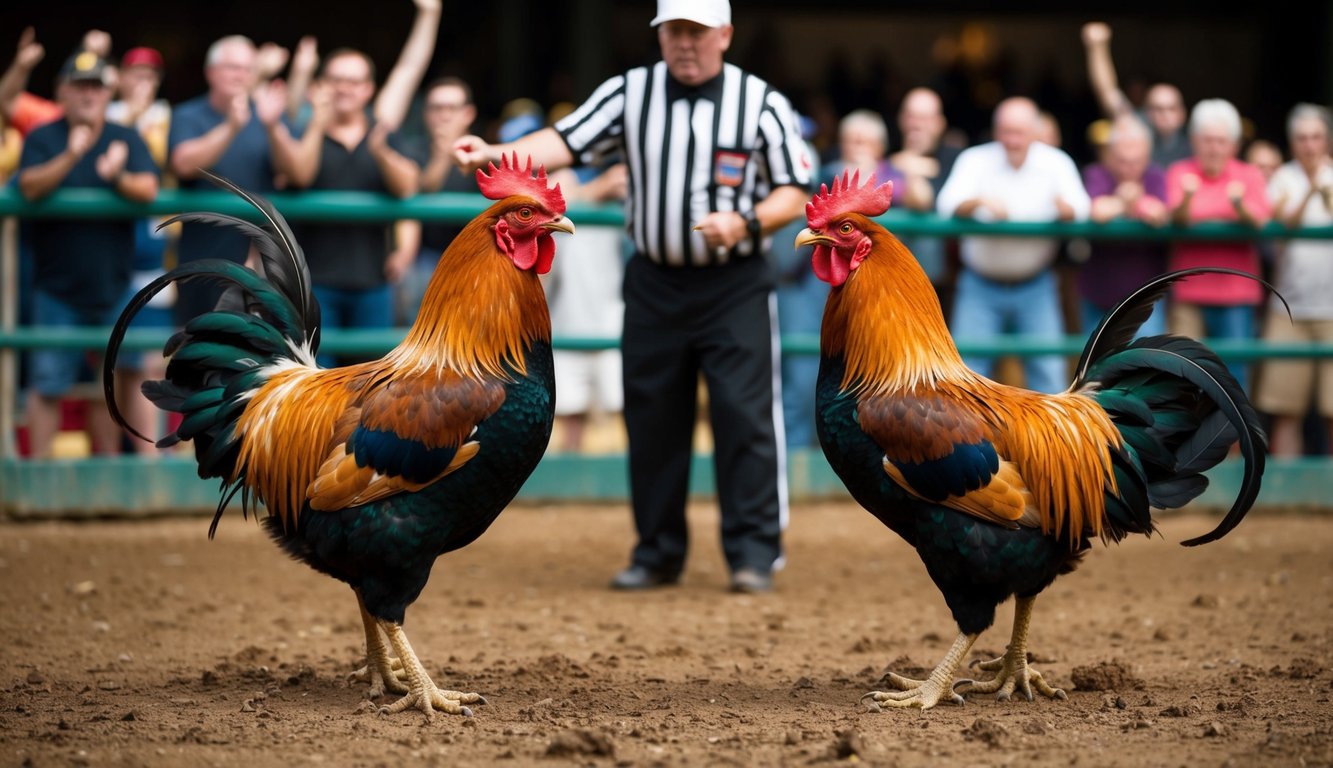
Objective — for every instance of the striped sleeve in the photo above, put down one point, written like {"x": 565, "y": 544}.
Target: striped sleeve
{"x": 789, "y": 161}
{"x": 598, "y": 124}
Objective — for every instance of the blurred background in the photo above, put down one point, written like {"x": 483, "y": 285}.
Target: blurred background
{"x": 830, "y": 57}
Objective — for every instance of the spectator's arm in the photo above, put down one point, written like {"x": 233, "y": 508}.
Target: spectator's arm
{"x": 191, "y": 155}
{"x": 137, "y": 187}
{"x": 546, "y": 146}
{"x": 38, "y": 181}
{"x": 304, "y": 63}
{"x": 1101, "y": 70}
{"x": 396, "y": 96}
{"x": 407, "y": 243}
{"x": 15, "y": 79}
{"x": 402, "y": 176}
{"x": 436, "y": 171}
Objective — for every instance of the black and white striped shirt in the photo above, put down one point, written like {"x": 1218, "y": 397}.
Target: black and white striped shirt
{"x": 720, "y": 146}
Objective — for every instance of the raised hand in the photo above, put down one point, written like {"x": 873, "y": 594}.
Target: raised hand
{"x": 270, "y": 59}
{"x": 1236, "y": 191}
{"x": 81, "y": 139}
{"x": 270, "y": 101}
{"x": 1189, "y": 184}
{"x": 30, "y": 52}
{"x": 97, "y": 41}
{"x": 1096, "y": 33}
{"x": 471, "y": 152}
{"x": 111, "y": 163}
{"x": 238, "y": 112}
{"x": 306, "y": 58}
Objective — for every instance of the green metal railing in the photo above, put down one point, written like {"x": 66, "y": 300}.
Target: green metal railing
{"x": 44, "y": 484}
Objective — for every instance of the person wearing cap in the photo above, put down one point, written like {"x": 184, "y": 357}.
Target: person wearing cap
{"x": 138, "y": 106}
{"x": 716, "y": 165}
{"x": 81, "y": 267}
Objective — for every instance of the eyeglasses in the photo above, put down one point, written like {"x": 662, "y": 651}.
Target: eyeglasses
{"x": 346, "y": 80}
{"x": 446, "y": 107}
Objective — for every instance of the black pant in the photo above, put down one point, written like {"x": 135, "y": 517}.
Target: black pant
{"x": 719, "y": 321}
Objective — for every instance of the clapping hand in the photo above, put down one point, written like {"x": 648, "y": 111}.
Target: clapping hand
{"x": 80, "y": 140}
{"x": 111, "y": 164}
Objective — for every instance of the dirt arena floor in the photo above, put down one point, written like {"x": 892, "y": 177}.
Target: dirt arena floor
{"x": 144, "y": 644}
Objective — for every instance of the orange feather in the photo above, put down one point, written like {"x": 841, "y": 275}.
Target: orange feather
{"x": 479, "y": 315}
{"x": 1054, "y": 449}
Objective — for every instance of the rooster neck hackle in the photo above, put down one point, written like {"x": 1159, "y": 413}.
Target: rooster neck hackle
{"x": 479, "y": 314}
{"x": 887, "y": 325}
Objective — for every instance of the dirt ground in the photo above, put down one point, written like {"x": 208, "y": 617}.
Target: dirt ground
{"x": 144, "y": 644}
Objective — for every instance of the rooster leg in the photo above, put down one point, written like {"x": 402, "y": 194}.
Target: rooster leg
{"x": 422, "y": 692}
{"x": 381, "y": 670}
{"x": 1012, "y": 670}
{"x": 925, "y": 693}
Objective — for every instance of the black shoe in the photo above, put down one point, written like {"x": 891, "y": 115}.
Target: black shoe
{"x": 751, "y": 581}
{"x": 638, "y": 577}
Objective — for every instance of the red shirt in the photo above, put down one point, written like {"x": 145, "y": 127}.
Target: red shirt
{"x": 32, "y": 111}
{"x": 1210, "y": 203}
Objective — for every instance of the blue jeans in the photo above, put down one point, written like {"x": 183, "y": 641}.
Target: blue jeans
{"x": 353, "y": 309}
{"x": 53, "y": 371}
{"x": 800, "y": 310}
{"x": 984, "y": 310}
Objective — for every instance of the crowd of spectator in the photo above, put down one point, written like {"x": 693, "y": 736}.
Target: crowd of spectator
{"x": 273, "y": 120}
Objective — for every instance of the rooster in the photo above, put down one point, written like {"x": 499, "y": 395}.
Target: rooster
{"x": 1001, "y": 489}
{"x": 370, "y": 472}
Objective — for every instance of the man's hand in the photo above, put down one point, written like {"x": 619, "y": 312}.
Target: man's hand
{"x": 111, "y": 164}
{"x": 428, "y": 5}
{"x": 270, "y": 102}
{"x": 1096, "y": 33}
{"x": 471, "y": 152}
{"x": 1189, "y": 184}
{"x": 721, "y": 230}
{"x": 306, "y": 58}
{"x": 81, "y": 139}
{"x": 269, "y": 60}
{"x": 396, "y": 266}
{"x": 30, "y": 52}
{"x": 238, "y": 111}
{"x": 97, "y": 41}
{"x": 1236, "y": 192}
{"x": 378, "y": 139}
{"x": 1150, "y": 211}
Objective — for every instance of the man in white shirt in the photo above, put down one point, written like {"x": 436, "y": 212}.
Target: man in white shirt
{"x": 1007, "y": 284}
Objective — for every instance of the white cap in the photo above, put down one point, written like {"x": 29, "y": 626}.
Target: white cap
{"x": 710, "y": 13}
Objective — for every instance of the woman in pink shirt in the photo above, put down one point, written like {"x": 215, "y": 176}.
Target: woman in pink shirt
{"x": 1214, "y": 185}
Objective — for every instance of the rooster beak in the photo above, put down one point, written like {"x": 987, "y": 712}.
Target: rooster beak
{"x": 561, "y": 224}
{"x": 809, "y": 237}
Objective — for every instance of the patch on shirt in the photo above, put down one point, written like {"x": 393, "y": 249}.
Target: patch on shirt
{"x": 729, "y": 167}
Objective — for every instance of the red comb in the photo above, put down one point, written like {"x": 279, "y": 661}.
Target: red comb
{"x": 508, "y": 180}
{"x": 848, "y": 196}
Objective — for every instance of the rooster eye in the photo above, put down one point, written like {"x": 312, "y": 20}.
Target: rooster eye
{"x": 846, "y": 228}
{"x": 524, "y": 214}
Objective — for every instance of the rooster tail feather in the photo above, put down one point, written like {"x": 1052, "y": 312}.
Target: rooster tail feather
{"x": 1119, "y": 325}
{"x": 219, "y": 359}
{"x": 283, "y": 260}
{"x": 1196, "y": 411}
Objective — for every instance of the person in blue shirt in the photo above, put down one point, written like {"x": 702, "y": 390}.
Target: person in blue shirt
{"x": 228, "y": 131}
{"x": 81, "y": 268}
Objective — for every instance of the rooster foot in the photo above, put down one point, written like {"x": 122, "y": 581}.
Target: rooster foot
{"x": 1012, "y": 673}
{"x": 911, "y": 693}
{"x": 923, "y": 693}
{"x": 386, "y": 677}
{"x": 422, "y": 693}
{"x": 428, "y": 698}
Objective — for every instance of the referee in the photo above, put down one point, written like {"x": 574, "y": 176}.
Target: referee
{"x": 716, "y": 163}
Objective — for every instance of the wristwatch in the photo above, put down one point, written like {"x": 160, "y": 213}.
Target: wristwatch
{"x": 752, "y": 225}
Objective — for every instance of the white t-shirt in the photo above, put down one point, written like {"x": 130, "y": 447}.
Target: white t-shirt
{"x": 1028, "y": 192}
{"x": 1304, "y": 265}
